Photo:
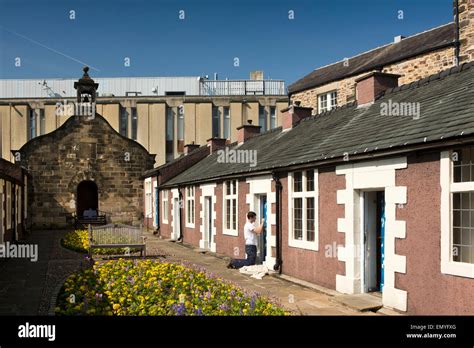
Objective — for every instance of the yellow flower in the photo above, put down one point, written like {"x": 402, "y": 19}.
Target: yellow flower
{"x": 116, "y": 306}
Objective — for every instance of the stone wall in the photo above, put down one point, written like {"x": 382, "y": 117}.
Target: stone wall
{"x": 411, "y": 70}
{"x": 84, "y": 149}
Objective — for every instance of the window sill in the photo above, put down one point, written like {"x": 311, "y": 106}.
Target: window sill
{"x": 234, "y": 233}
{"x": 301, "y": 244}
{"x": 459, "y": 269}
{"x": 164, "y": 222}
{"x": 188, "y": 225}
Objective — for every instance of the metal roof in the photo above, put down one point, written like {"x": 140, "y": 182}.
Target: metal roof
{"x": 142, "y": 86}
{"x": 116, "y": 86}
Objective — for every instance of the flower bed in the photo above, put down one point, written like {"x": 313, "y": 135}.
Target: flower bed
{"x": 79, "y": 241}
{"x": 146, "y": 287}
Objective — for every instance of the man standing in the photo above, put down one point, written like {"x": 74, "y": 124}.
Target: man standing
{"x": 250, "y": 234}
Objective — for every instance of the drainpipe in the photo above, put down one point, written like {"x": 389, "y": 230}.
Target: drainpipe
{"x": 278, "y": 187}
{"x": 180, "y": 193}
{"x": 457, "y": 43}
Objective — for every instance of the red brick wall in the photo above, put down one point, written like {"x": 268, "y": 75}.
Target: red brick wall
{"x": 193, "y": 235}
{"x": 310, "y": 265}
{"x": 429, "y": 291}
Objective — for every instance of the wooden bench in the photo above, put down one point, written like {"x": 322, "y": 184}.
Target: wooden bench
{"x": 117, "y": 236}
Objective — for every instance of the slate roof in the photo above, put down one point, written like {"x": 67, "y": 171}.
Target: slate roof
{"x": 409, "y": 47}
{"x": 446, "y": 111}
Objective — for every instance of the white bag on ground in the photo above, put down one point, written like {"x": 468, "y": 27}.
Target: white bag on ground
{"x": 255, "y": 271}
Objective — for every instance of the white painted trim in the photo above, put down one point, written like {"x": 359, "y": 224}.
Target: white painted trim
{"x": 263, "y": 185}
{"x": 208, "y": 190}
{"x": 226, "y": 231}
{"x": 164, "y": 217}
{"x": 187, "y": 199}
{"x": 149, "y": 211}
{"x": 303, "y": 244}
{"x": 174, "y": 229}
{"x": 447, "y": 188}
{"x": 154, "y": 186}
{"x": 366, "y": 176}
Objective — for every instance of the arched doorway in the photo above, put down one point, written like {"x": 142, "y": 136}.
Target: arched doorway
{"x": 87, "y": 197}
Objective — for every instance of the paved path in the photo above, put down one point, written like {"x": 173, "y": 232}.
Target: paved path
{"x": 300, "y": 299}
{"x": 27, "y": 288}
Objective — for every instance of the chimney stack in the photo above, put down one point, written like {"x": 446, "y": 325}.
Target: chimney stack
{"x": 190, "y": 147}
{"x": 293, "y": 114}
{"x": 371, "y": 85}
{"x": 216, "y": 144}
{"x": 247, "y": 131}
{"x": 466, "y": 30}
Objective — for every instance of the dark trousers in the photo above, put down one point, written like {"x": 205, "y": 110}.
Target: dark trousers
{"x": 251, "y": 251}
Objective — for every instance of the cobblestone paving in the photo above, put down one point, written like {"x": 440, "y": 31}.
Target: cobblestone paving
{"x": 28, "y": 288}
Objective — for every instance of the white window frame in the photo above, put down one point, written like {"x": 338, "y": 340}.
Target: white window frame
{"x": 329, "y": 103}
{"x": 165, "y": 206}
{"x": 148, "y": 198}
{"x": 231, "y": 197}
{"x": 8, "y": 210}
{"x": 448, "y": 187}
{"x": 273, "y": 118}
{"x": 226, "y": 124}
{"x": 303, "y": 244}
{"x": 190, "y": 201}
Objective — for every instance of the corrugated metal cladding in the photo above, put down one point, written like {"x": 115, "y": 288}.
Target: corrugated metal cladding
{"x": 118, "y": 86}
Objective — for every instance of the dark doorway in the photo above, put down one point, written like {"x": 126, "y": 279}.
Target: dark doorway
{"x": 374, "y": 230}
{"x": 87, "y": 198}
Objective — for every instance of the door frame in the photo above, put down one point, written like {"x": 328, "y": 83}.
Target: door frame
{"x": 364, "y": 239}
{"x": 207, "y": 237}
{"x": 258, "y": 205}
{"x": 176, "y": 219}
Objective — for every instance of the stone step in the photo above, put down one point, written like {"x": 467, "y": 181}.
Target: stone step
{"x": 359, "y": 302}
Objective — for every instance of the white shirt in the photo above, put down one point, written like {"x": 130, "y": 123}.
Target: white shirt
{"x": 249, "y": 234}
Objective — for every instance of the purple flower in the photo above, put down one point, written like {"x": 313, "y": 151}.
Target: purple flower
{"x": 180, "y": 309}
{"x": 198, "y": 311}
{"x": 252, "y": 303}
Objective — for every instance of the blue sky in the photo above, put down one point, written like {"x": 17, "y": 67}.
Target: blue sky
{"x": 212, "y": 34}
